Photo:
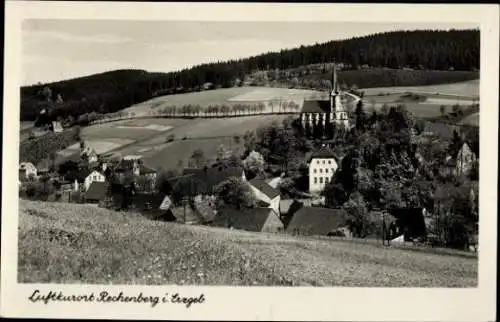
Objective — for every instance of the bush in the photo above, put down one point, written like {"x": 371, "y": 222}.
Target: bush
{"x": 170, "y": 138}
{"x": 76, "y": 197}
{"x": 42, "y": 147}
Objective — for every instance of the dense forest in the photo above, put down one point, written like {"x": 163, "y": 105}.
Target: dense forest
{"x": 388, "y": 59}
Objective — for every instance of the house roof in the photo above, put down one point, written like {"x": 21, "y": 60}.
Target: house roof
{"x": 252, "y": 219}
{"x": 144, "y": 170}
{"x": 82, "y": 174}
{"x": 125, "y": 165}
{"x": 442, "y": 130}
{"x": 317, "y": 220}
{"x": 186, "y": 214}
{"x": 316, "y": 106}
{"x": 205, "y": 180}
{"x": 97, "y": 191}
{"x": 265, "y": 188}
{"x": 25, "y": 165}
{"x": 323, "y": 153}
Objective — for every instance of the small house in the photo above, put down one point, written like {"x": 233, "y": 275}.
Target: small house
{"x": 93, "y": 176}
{"x": 154, "y": 206}
{"x": 264, "y": 192}
{"x": 253, "y": 219}
{"x": 27, "y": 170}
{"x": 317, "y": 221}
{"x": 203, "y": 181}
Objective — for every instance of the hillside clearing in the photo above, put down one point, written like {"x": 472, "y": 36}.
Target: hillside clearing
{"x": 204, "y": 134}
{"x": 69, "y": 243}
{"x": 466, "y": 89}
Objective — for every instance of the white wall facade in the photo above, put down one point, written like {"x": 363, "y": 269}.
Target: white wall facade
{"x": 93, "y": 176}
{"x": 273, "y": 203}
{"x": 321, "y": 172}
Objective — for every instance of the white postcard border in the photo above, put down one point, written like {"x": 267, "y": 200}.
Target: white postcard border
{"x": 261, "y": 303}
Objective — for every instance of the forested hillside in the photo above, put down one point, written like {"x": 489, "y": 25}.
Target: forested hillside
{"x": 386, "y": 59}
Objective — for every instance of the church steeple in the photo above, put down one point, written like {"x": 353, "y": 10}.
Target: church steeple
{"x": 335, "y": 88}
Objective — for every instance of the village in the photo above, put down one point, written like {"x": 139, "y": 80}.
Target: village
{"x": 294, "y": 191}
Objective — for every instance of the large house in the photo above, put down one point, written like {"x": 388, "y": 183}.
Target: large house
{"x": 265, "y": 193}
{"x": 321, "y": 113}
{"x": 322, "y": 166}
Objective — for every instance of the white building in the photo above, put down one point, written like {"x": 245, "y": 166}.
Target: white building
{"x": 264, "y": 192}
{"x": 27, "y": 170}
{"x": 94, "y": 176}
{"x": 322, "y": 167}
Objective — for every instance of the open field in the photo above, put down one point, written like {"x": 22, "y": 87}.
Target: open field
{"x": 229, "y": 96}
{"x": 103, "y": 247}
{"x": 204, "y": 134}
{"x": 467, "y": 89}
{"x": 472, "y": 119}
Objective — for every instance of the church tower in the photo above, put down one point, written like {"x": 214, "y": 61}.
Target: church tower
{"x": 337, "y": 111}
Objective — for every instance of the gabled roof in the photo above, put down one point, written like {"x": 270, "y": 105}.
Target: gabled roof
{"x": 144, "y": 170}
{"x": 186, "y": 214}
{"x": 252, "y": 219}
{"x": 316, "y": 220}
{"x": 323, "y": 153}
{"x": 265, "y": 188}
{"x": 205, "y": 180}
{"x": 97, "y": 191}
{"x": 316, "y": 106}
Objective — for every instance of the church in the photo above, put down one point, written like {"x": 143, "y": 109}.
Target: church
{"x": 318, "y": 116}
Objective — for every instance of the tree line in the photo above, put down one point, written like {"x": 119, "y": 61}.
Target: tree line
{"x": 112, "y": 91}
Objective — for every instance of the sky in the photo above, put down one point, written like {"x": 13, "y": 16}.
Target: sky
{"x": 54, "y": 50}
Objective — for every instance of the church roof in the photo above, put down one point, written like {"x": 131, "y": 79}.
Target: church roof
{"x": 316, "y": 106}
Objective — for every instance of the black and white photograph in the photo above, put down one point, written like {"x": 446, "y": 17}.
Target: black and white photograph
{"x": 252, "y": 153}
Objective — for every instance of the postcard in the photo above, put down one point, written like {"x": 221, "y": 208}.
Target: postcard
{"x": 250, "y": 161}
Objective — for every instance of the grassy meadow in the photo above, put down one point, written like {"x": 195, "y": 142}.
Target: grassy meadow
{"x": 204, "y": 134}
{"x": 467, "y": 89}
{"x": 250, "y": 95}
{"x": 69, "y": 243}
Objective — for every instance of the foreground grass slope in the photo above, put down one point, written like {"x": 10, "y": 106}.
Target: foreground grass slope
{"x": 67, "y": 243}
